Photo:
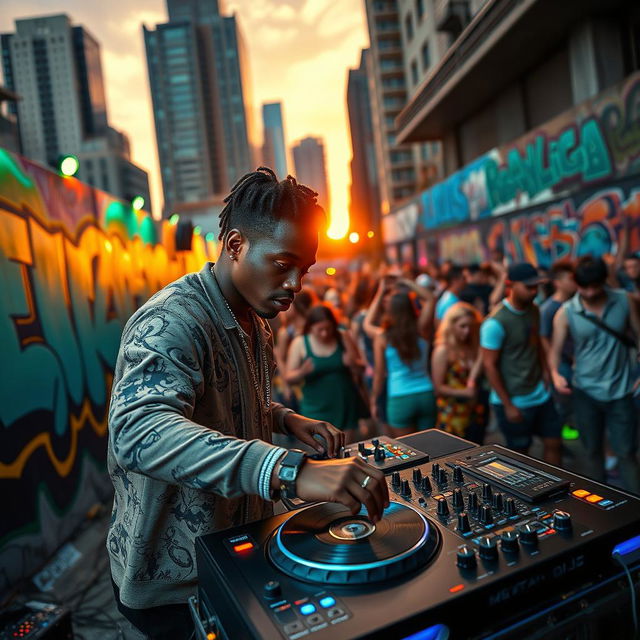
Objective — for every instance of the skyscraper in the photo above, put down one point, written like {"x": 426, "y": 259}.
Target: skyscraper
{"x": 55, "y": 67}
{"x": 274, "y": 151}
{"x": 397, "y": 164}
{"x": 364, "y": 205}
{"x": 308, "y": 158}
{"x": 201, "y": 101}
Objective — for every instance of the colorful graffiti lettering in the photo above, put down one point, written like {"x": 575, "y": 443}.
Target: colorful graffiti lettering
{"x": 71, "y": 274}
{"x": 563, "y": 230}
{"x": 578, "y": 152}
{"x": 588, "y": 146}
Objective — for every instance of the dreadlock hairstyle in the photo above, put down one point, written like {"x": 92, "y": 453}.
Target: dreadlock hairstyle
{"x": 258, "y": 199}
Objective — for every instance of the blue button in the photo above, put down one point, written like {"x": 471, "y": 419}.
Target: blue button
{"x": 307, "y": 609}
{"x": 327, "y": 602}
{"x": 605, "y": 503}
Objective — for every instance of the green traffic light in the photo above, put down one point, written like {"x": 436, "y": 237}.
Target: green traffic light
{"x": 68, "y": 165}
{"x": 137, "y": 203}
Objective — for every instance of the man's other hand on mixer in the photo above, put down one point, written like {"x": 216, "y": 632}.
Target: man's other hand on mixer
{"x": 348, "y": 481}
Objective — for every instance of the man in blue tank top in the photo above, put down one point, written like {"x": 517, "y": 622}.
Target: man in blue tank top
{"x": 601, "y": 322}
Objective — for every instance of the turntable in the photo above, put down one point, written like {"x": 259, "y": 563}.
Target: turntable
{"x": 325, "y": 544}
{"x": 481, "y": 543}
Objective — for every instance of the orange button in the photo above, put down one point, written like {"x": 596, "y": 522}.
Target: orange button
{"x": 245, "y": 546}
{"x": 580, "y": 493}
{"x": 456, "y": 588}
{"x": 594, "y": 498}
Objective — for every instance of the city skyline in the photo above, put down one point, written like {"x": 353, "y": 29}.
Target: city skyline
{"x": 299, "y": 54}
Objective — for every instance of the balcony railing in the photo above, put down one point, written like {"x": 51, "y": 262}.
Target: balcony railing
{"x": 484, "y": 24}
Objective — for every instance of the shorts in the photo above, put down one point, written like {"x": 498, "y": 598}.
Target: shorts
{"x": 542, "y": 420}
{"x": 417, "y": 410}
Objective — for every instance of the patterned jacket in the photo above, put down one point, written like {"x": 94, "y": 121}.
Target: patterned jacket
{"x": 189, "y": 448}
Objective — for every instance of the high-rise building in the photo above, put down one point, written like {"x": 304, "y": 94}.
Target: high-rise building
{"x": 398, "y": 168}
{"x": 364, "y": 205}
{"x": 423, "y": 45}
{"x": 201, "y": 102}
{"x": 309, "y": 162}
{"x": 274, "y": 150}
{"x": 55, "y": 67}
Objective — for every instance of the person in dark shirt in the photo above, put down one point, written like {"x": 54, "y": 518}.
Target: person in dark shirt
{"x": 478, "y": 290}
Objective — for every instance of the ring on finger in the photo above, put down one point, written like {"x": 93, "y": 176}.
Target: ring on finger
{"x": 365, "y": 482}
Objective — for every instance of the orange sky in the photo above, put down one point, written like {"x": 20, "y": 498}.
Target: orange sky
{"x": 299, "y": 53}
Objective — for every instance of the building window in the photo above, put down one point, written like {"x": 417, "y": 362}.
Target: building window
{"x": 426, "y": 57}
{"x": 414, "y": 72}
{"x": 419, "y": 9}
{"x": 408, "y": 25}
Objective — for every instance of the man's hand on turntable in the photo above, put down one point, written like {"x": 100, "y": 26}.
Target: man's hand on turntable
{"x": 305, "y": 428}
{"x": 341, "y": 481}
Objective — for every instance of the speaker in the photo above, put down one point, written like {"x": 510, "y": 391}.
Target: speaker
{"x": 184, "y": 235}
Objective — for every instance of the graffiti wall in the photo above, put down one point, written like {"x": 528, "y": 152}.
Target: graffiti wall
{"x": 573, "y": 177}
{"x": 595, "y": 223}
{"x": 74, "y": 264}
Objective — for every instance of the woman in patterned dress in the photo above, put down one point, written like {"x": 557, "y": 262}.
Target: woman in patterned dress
{"x": 455, "y": 368}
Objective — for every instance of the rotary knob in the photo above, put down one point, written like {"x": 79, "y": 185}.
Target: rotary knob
{"x": 510, "y": 507}
{"x": 457, "y": 499}
{"x": 486, "y": 492}
{"x": 486, "y": 515}
{"x": 472, "y": 501}
{"x": 395, "y": 478}
{"x": 509, "y": 541}
{"x": 457, "y": 474}
{"x": 417, "y": 476}
{"x": 562, "y": 521}
{"x": 422, "y": 502}
{"x": 405, "y": 489}
{"x": 434, "y": 470}
{"x": 488, "y": 548}
{"x": 466, "y": 557}
{"x": 375, "y": 442}
{"x": 362, "y": 448}
{"x": 425, "y": 485}
{"x": 463, "y": 523}
{"x": 378, "y": 454}
{"x": 272, "y": 589}
{"x": 443, "y": 507}
{"x": 442, "y": 476}
{"x": 498, "y": 501}
{"x": 528, "y": 535}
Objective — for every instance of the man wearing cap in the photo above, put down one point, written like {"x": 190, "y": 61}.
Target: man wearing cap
{"x": 516, "y": 367}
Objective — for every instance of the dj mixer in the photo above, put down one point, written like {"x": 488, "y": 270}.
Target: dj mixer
{"x": 480, "y": 543}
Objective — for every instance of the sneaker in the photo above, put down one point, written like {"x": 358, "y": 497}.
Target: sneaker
{"x": 569, "y": 433}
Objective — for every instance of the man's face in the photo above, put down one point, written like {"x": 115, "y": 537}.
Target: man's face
{"x": 524, "y": 293}
{"x": 566, "y": 283}
{"x": 269, "y": 271}
{"x": 632, "y": 268}
{"x": 592, "y": 292}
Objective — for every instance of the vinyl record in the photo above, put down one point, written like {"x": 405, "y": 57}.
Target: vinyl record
{"x": 326, "y": 543}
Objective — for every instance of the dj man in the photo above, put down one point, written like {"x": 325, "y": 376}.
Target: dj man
{"x": 191, "y": 416}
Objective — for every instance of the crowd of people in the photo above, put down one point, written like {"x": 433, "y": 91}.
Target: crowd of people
{"x": 547, "y": 353}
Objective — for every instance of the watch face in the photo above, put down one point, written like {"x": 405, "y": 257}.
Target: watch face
{"x": 287, "y": 473}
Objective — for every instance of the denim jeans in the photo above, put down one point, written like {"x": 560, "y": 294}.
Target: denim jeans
{"x": 619, "y": 419}
{"x": 541, "y": 420}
